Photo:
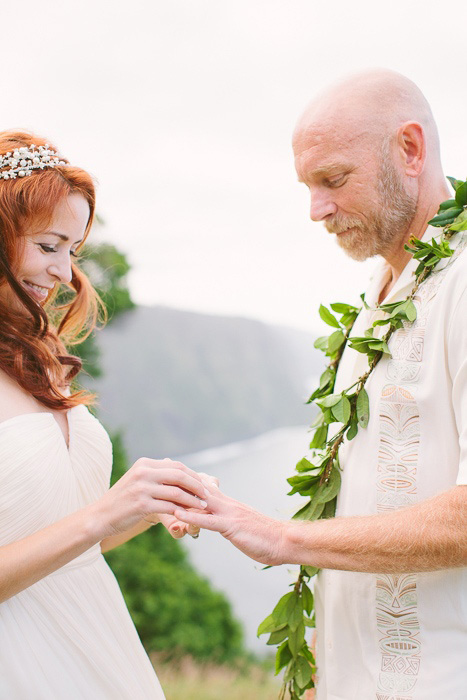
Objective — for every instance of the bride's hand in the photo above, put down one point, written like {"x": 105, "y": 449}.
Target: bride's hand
{"x": 177, "y": 528}
{"x": 149, "y": 488}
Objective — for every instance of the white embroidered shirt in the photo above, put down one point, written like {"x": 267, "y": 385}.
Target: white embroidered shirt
{"x": 403, "y": 637}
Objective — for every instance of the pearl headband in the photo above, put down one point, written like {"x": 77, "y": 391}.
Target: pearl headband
{"x": 24, "y": 160}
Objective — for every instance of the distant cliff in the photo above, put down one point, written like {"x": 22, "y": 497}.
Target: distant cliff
{"x": 178, "y": 382}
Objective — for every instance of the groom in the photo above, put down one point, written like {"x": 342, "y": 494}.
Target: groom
{"x": 391, "y": 599}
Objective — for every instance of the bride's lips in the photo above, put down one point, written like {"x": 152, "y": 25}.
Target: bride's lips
{"x": 37, "y": 291}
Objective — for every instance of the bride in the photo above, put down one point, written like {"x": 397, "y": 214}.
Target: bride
{"x": 65, "y": 631}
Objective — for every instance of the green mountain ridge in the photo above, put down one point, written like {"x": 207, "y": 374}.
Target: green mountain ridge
{"x": 178, "y": 381}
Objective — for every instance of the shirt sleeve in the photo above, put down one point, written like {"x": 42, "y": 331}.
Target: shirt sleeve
{"x": 457, "y": 359}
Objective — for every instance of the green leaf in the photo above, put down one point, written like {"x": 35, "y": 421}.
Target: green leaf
{"x": 304, "y": 672}
{"x": 363, "y": 408}
{"x": 307, "y": 599}
{"x": 329, "y": 490}
{"x": 309, "y": 622}
{"x": 319, "y": 438}
{"x": 328, "y": 317}
{"x": 321, "y": 343}
{"x": 329, "y": 401}
{"x": 328, "y": 375}
{"x": 348, "y": 320}
{"x": 329, "y": 509}
{"x": 306, "y": 652}
{"x": 304, "y": 465}
{"x": 297, "y": 638}
{"x": 278, "y": 636}
{"x": 328, "y": 417}
{"x": 295, "y": 618}
{"x": 310, "y": 570}
{"x": 460, "y": 224}
{"x": 335, "y": 341}
{"x": 289, "y": 671}
{"x": 461, "y": 195}
{"x": 283, "y": 656}
{"x": 353, "y": 429}
{"x": 410, "y": 311}
{"x": 447, "y": 204}
{"x": 268, "y": 625}
{"x": 343, "y": 308}
{"x": 362, "y": 297}
{"x": 310, "y": 511}
{"x": 446, "y": 217}
{"x": 303, "y": 483}
{"x": 341, "y": 410}
{"x": 455, "y": 183}
{"x": 286, "y": 604}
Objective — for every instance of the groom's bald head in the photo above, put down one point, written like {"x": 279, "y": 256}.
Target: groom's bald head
{"x": 373, "y": 105}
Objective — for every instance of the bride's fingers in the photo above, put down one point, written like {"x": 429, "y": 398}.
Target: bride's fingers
{"x": 179, "y": 479}
{"x": 176, "y": 495}
{"x": 174, "y": 527}
{"x": 192, "y": 530}
{"x": 209, "y": 480}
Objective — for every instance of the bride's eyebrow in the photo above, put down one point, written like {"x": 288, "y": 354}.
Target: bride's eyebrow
{"x": 62, "y": 236}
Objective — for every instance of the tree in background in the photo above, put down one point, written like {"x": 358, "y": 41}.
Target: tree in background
{"x": 175, "y": 610}
{"x": 107, "y": 268}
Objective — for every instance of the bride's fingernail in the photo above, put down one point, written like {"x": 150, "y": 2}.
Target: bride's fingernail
{"x": 206, "y": 492}
{"x": 203, "y": 504}
{"x": 176, "y": 529}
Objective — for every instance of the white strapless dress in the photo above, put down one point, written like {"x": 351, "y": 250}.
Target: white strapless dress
{"x": 69, "y": 636}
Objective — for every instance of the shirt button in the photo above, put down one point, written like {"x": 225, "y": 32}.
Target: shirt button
{"x": 330, "y": 646}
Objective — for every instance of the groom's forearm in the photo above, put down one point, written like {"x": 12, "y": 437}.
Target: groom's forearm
{"x": 425, "y": 537}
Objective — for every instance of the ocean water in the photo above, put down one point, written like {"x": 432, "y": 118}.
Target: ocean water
{"x": 255, "y": 472}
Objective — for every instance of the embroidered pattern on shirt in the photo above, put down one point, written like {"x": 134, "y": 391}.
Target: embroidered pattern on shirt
{"x": 396, "y": 596}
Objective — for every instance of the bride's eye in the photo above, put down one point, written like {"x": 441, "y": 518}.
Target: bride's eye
{"x": 47, "y": 248}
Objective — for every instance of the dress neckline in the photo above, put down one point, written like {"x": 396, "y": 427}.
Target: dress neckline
{"x": 30, "y": 414}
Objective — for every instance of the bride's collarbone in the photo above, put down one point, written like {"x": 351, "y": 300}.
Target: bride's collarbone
{"x": 15, "y": 401}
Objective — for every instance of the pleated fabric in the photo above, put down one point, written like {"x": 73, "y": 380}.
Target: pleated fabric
{"x": 69, "y": 635}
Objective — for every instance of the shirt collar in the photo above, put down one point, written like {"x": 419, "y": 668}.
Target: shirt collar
{"x": 405, "y": 281}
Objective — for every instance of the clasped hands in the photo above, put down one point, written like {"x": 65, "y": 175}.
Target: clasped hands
{"x": 177, "y": 528}
{"x": 184, "y": 501}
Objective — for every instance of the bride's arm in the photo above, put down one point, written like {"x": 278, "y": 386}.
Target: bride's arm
{"x": 113, "y": 541}
{"x": 149, "y": 487}
{"x": 175, "y": 527}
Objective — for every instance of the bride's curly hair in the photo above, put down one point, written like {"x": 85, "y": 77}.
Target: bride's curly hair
{"x": 33, "y": 340}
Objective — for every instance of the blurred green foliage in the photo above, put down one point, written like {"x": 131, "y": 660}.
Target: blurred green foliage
{"x": 175, "y": 610}
{"x": 107, "y": 268}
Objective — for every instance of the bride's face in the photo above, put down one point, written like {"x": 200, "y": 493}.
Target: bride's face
{"x": 47, "y": 253}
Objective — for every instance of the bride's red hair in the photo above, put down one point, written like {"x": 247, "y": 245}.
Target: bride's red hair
{"x": 32, "y": 341}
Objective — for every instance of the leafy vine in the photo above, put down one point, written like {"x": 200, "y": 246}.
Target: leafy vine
{"x": 319, "y": 477}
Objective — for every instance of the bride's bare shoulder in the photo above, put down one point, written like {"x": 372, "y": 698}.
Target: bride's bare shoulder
{"x": 14, "y": 400}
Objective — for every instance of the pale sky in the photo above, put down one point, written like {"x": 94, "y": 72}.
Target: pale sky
{"x": 183, "y": 111}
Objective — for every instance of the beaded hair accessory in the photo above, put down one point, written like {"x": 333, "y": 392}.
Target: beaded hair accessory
{"x": 24, "y": 160}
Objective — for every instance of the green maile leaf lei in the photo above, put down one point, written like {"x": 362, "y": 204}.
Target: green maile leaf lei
{"x": 318, "y": 477}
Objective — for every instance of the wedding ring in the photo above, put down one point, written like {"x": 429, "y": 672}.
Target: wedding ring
{"x": 195, "y": 537}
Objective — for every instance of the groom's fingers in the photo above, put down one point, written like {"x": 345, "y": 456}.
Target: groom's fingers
{"x": 199, "y": 520}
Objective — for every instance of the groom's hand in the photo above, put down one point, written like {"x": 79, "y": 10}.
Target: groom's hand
{"x": 255, "y": 534}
